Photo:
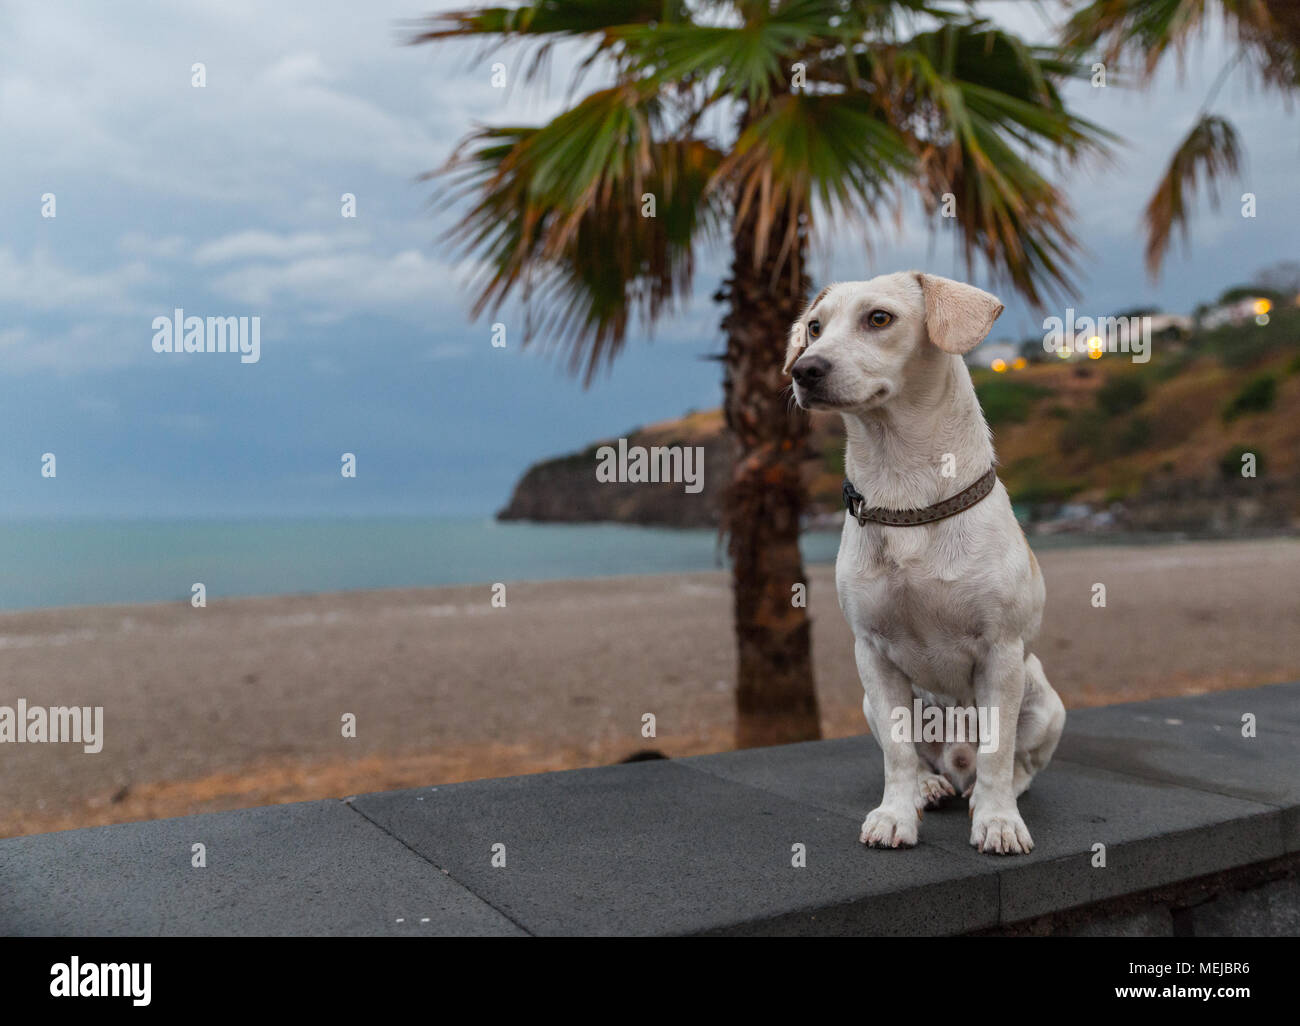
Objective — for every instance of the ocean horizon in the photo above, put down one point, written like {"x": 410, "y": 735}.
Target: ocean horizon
{"x": 77, "y": 562}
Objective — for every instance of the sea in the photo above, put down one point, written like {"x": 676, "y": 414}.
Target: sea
{"x": 73, "y": 562}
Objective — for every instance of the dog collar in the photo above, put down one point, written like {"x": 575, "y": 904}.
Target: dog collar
{"x": 963, "y": 500}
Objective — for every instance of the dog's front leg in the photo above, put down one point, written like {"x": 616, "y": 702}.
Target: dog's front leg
{"x": 996, "y": 825}
{"x": 894, "y": 821}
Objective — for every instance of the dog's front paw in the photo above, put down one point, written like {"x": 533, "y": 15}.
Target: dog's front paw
{"x": 890, "y": 828}
{"x": 932, "y": 789}
{"x": 999, "y": 830}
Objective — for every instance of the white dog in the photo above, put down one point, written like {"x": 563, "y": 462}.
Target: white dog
{"x": 934, "y": 575}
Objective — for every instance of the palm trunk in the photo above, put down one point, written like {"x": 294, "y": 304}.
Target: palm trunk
{"x": 775, "y": 699}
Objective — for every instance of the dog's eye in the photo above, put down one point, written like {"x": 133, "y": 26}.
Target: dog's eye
{"x": 879, "y": 318}
{"x": 814, "y": 328}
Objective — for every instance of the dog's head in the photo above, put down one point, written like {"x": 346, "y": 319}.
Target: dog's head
{"x": 859, "y": 343}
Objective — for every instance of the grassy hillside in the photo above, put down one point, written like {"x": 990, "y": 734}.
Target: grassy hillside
{"x": 1095, "y": 431}
{"x": 1107, "y": 430}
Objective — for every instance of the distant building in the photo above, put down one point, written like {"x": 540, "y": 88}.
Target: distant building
{"x": 1231, "y": 313}
{"x": 985, "y": 355}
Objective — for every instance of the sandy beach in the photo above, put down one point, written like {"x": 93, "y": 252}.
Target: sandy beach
{"x": 242, "y": 703}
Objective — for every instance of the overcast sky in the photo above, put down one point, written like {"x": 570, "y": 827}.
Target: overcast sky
{"x": 225, "y": 201}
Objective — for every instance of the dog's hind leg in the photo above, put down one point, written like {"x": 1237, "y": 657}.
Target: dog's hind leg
{"x": 934, "y": 788}
{"x": 933, "y": 785}
{"x": 1038, "y": 729}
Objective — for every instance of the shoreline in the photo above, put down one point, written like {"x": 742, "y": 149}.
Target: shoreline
{"x": 824, "y": 537}
{"x": 240, "y": 703}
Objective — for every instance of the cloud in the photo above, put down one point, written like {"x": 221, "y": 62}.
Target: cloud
{"x": 41, "y": 283}
{"x": 257, "y": 244}
{"x": 406, "y": 282}
{"x": 82, "y": 347}
{"x": 167, "y": 247}
{"x": 264, "y": 117}
{"x": 299, "y": 69}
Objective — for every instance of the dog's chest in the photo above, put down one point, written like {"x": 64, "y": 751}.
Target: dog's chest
{"x": 909, "y": 606}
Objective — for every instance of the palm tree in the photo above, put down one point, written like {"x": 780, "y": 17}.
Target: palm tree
{"x": 1268, "y": 44}
{"x": 751, "y": 122}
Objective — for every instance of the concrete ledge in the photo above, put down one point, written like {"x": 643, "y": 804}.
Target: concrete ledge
{"x": 704, "y": 845}
{"x": 315, "y": 868}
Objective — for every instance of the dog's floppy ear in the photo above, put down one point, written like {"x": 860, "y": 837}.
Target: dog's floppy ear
{"x": 957, "y": 315}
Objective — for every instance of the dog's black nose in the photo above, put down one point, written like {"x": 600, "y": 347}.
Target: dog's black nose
{"x": 809, "y": 370}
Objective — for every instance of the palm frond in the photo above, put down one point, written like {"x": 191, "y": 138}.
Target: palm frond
{"x": 983, "y": 113}
{"x": 1278, "y": 44}
{"x": 546, "y": 18}
{"x": 832, "y": 149}
{"x": 1151, "y": 29}
{"x": 554, "y": 212}
{"x": 752, "y": 60}
{"x": 1210, "y": 150}
{"x": 556, "y": 217}
{"x": 546, "y": 23}
{"x": 749, "y": 58}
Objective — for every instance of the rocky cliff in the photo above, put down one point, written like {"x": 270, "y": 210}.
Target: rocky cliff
{"x": 567, "y": 490}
